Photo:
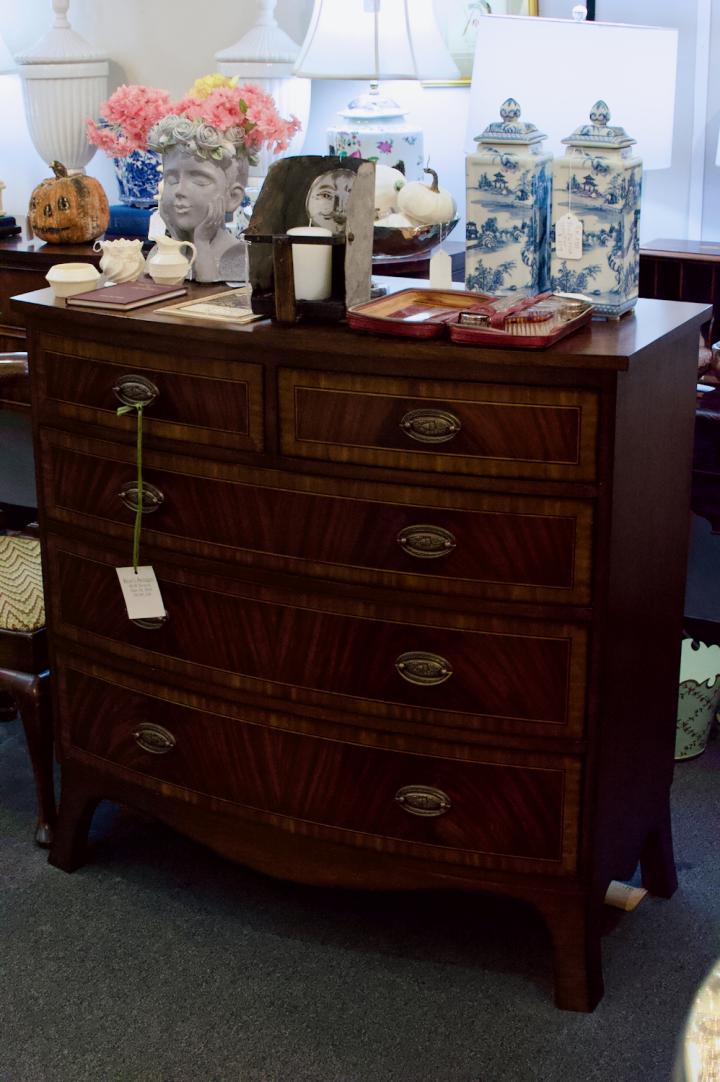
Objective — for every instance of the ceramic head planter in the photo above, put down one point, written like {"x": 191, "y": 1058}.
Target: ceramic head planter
{"x": 201, "y": 191}
{"x": 207, "y": 146}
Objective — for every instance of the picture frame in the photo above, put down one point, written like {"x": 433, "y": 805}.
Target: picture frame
{"x": 227, "y": 306}
{"x": 459, "y": 23}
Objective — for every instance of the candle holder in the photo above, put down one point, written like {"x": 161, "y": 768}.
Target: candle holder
{"x": 334, "y": 197}
{"x": 283, "y": 304}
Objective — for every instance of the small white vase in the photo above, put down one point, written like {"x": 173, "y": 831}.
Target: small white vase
{"x": 166, "y": 264}
{"x": 122, "y": 260}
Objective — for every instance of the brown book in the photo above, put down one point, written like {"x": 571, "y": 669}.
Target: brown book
{"x": 126, "y": 296}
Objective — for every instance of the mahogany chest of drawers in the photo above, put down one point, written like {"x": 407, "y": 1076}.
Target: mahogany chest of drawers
{"x": 423, "y": 602}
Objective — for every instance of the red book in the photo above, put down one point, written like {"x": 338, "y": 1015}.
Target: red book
{"x": 128, "y": 295}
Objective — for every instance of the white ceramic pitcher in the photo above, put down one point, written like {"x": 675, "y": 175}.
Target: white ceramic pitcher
{"x": 122, "y": 260}
{"x": 166, "y": 264}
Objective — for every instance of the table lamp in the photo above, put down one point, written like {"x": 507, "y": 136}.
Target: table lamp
{"x": 8, "y": 225}
{"x": 265, "y": 55}
{"x": 64, "y": 83}
{"x": 374, "y": 40}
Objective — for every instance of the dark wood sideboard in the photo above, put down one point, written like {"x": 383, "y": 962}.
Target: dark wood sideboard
{"x": 24, "y": 262}
{"x": 682, "y": 270}
{"x": 413, "y": 592}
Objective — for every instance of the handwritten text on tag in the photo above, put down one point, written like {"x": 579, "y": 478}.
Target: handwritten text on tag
{"x": 568, "y": 237}
{"x": 141, "y": 592}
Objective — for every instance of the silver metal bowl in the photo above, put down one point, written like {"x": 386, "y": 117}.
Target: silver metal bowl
{"x": 399, "y": 243}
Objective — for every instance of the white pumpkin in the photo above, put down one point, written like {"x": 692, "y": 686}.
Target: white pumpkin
{"x": 388, "y": 183}
{"x": 427, "y": 203}
{"x": 396, "y": 221}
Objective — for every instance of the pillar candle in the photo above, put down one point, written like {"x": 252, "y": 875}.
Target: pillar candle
{"x": 312, "y": 264}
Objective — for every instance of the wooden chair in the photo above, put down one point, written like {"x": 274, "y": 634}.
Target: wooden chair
{"x": 24, "y": 676}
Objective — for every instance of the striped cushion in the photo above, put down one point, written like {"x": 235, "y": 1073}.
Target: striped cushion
{"x": 22, "y": 606}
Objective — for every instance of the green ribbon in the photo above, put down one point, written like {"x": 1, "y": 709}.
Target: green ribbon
{"x": 138, "y": 407}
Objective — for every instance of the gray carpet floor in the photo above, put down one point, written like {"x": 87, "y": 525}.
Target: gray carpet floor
{"x": 158, "y": 962}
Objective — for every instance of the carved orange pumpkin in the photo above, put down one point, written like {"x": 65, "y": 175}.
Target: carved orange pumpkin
{"x": 68, "y": 209}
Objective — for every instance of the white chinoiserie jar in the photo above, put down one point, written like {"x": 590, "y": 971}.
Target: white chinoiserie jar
{"x": 507, "y": 208}
{"x": 595, "y": 234}
{"x": 374, "y": 128}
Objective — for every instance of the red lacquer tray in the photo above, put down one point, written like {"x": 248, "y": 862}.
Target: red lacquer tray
{"x": 415, "y": 313}
{"x": 474, "y": 319}
{"x": 532, "y": 323}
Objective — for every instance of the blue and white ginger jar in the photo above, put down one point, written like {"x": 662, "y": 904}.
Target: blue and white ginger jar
{"x": 138, "y": 176}
{"x": 599, "y": 181}
{"x": 507, "y": 208}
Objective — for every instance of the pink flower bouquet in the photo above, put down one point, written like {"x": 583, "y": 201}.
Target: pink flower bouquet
{"x": 216, "y": 119}
{"x": 126, "y": 118}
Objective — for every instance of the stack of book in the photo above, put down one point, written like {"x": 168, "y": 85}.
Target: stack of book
{"x": 8, "y": 227}
{"x": 130, "y": 222}
{"x": 126, "y": 296}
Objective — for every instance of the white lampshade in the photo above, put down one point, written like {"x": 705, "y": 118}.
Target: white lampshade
{"x": 7, "y": 67}
{"x": 374, "y": 39}
{"x": 7, "y": 64}
{"x": 557, "y": 68}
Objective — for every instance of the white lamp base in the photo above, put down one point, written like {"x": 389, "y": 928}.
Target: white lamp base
{"x": 59, "y": 99}
{"x": 385, "y": 141}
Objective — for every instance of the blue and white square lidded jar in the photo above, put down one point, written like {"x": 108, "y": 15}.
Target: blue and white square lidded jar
{"x": 595, "y": 233}
{"x": 507, "y": 208}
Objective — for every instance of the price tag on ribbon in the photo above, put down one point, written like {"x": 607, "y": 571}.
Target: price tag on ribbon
{"x": 568, "y": 237}
{"x": 141, "y": 592}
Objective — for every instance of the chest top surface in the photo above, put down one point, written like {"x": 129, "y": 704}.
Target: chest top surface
{"x": 612, "y": 345}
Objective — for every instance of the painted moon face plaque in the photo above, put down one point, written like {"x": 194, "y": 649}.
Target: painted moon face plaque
{"x": 327, "y": 198}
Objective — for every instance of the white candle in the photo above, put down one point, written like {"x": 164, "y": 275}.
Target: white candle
{"x": 312, "y": 264}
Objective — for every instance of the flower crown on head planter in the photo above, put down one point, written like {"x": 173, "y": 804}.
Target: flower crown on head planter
{"x": 216, "y": 119}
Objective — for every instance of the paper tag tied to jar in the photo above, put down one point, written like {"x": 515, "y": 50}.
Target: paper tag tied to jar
{"x": 568, "y": 237}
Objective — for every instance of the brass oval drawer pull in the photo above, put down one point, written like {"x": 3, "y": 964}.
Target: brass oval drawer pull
{"x": 430, "y": 425}
{"x": 426, "y": 542}
{"x": 152, "y": 497}
{"x": 154, "y": 738}
{"x": 152, "y": 623}
{"x": 423, "y": 800}
{"x": 418, "y": 667}
{"x": 132, "y": 390}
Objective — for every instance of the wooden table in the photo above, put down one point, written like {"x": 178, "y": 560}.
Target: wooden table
{"x": 683, "y": 270}
{"x": 24, "y": 262}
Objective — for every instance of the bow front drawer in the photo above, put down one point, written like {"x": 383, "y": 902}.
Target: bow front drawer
{"x": 484, "y": 545}
{"x": 205, "y": 402}
{"x": 496, "y": 809}
{"x": 492, "y": 430}
{"x": 450, "y": 671}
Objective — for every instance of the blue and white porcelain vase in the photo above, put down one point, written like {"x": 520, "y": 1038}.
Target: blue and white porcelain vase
{"x": 507, "y": 208}
{"x": 138, "y": 176}
{"x": 598, "y": 182}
